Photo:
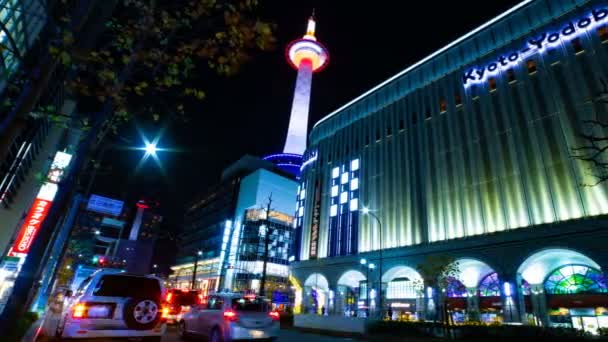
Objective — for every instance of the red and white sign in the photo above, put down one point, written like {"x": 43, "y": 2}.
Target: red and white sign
{"x": 31, "y": 226}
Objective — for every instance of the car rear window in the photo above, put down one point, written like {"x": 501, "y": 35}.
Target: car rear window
{"x": 247, "y": 304}
{"x": 128, "y": 286}
{"x": 185, "y": 298}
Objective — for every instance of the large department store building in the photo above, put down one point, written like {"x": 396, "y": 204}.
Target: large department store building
{"x": 467, "y": 153}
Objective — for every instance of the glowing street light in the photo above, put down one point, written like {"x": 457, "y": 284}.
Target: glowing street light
{"x": 151, "y": 149}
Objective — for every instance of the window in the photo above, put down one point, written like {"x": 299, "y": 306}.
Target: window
{"x": 458, "y": 99}
{"x": 401, "y": 124}
{"x": 343, "y": 197}
{"x": 333, "y": 210}
{"x": 128, "y": 286}
{"x": 427, "y": 114}
{"x": 511, "y": 76}
{"x": 250, "y": 305}
{"x": 335, "y": 172}
{"x": 443, "y": 106}
{"x": 354, "y": 184}
{"x": 215, "y": 303}
{"x": 354, "y": 204}
{"x": 577, "y": 45}
{"x": 334, "y": 191}
{"x": 602, "y": 32}
{"x": 354, "y": 165}
{"x": 531, "y": 64}
{"x": 492, "y": 83}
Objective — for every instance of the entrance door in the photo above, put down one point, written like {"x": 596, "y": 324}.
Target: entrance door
{"x": 586, "y": 323}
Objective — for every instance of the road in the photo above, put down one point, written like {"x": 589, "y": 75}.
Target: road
{"x": 285, "y": 336}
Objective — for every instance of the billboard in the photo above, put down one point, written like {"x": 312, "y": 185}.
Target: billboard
{"x": 104, "y": 205}
{"x": 314, "y": 227}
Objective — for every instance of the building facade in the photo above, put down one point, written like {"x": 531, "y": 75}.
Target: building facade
{"x": 222, "y": 233}
{"x": 468, "y": 153}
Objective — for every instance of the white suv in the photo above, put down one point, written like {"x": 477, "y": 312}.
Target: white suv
{"x": 231, "y": 316}
{"x": 112, "y": 304}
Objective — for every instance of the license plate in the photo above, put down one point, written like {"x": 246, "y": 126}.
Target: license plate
{"x": 256, "y": 333}
{"x": 98, "y": 311}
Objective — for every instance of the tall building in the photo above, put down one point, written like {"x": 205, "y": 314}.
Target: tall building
{"x": 307, "y": 56}
{"x": 219, "y": 228}
{"x": 467, "y": 153}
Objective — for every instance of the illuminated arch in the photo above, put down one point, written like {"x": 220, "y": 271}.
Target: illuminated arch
{"x": 573, "y": 279}
{"x": 472, "y": 271}
{"x": 539, "y": 265}
{"x": 318, "y": 281}
{"x": 351, "y": 279}
{"x": 401, "y": 272}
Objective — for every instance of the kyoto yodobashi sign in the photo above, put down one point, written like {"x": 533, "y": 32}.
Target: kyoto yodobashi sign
{"x": 40, "y": 208}
{"x": 535, "y": 44}
{"x": 316, "y": 218}
{"x": 32, "y": 223}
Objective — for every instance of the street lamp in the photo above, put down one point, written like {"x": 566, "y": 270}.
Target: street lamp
{"x": 151, "y": 148}
{"x": 196, "y": 256}
{"x": 366, "y": 211}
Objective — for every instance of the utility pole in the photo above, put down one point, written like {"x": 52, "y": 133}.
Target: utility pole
{"x": 196, "y": 255}
{"x": 266, "y": 243}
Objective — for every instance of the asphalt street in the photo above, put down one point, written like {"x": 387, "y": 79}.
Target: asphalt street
{"x": 285, "y": 336}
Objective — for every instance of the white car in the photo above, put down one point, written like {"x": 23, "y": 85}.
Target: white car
{"x": 230, "y": 316}
{"x": 111, "y": 304}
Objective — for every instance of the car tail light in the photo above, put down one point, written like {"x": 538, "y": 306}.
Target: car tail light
{"x": 275, "y": 315}
{"x": 80, "y": 310}
{"x": 93, "y": 310}
{"x": 165, "y": 312}
{"x": 231, "y": 316}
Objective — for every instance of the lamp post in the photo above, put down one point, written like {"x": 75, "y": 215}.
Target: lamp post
{"x": 366, "y": 211}
{"x": 196, "y": 256}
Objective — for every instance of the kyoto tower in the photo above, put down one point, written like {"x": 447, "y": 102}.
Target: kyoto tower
{"x": 307, "y": 56}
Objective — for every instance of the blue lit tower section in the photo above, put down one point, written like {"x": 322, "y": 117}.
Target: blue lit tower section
{"x": 344, "y": 209}
{"x": 307, "y": 56}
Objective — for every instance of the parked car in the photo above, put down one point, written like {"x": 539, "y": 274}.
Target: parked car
{"x": 112, "y": 304}
{"x": 179, "y": 301}
{"x": 230, "y": 316}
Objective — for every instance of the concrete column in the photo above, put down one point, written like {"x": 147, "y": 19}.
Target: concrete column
{"x": 472, "y": 304}
{"x": 539, "y": 304}
{"x": 431, "y": 301}
{"x": 511, "y": 294}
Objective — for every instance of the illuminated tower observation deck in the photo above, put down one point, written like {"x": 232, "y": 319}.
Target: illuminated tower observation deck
{"x": 307, "y": 56}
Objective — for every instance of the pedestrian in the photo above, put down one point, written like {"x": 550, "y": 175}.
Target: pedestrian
{"x": 322, "y": 310}
{"x": 390, "y": 313}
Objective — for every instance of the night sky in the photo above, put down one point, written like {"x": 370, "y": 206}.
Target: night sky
{"x": 369, "y": 41}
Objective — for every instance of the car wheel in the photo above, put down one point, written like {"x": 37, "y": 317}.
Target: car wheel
{"x": 181, "y": 330}
{"x": 216, "y": 336}
{"x": 142, "y": 313}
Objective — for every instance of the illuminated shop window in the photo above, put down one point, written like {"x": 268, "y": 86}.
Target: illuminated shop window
{"x": 574, "y": 279}
{"x": 354, "y": 184}
{"x": 354, "y": 204}
{"x": 333, "y": 210}
{"x": 344, "y": 178}
{"x": 489, "y": 286}
{"x": 602, "y": 32}
{"x": 335, "y": 172}
{"x": 401, "y": 288}
{"x": 531, "y": 65}
{"x": 343, "y": 197}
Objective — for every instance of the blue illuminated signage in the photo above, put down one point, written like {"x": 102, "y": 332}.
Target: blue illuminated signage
{"x": 539, "y": 43}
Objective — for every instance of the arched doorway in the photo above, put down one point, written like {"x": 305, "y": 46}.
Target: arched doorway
{"x": 316, "y": 293}
{"x": 352, "y": 294}
{"x": 566, "y": 288}
{"x": 404, "y": 292}
{"x": 471, "y": 295}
